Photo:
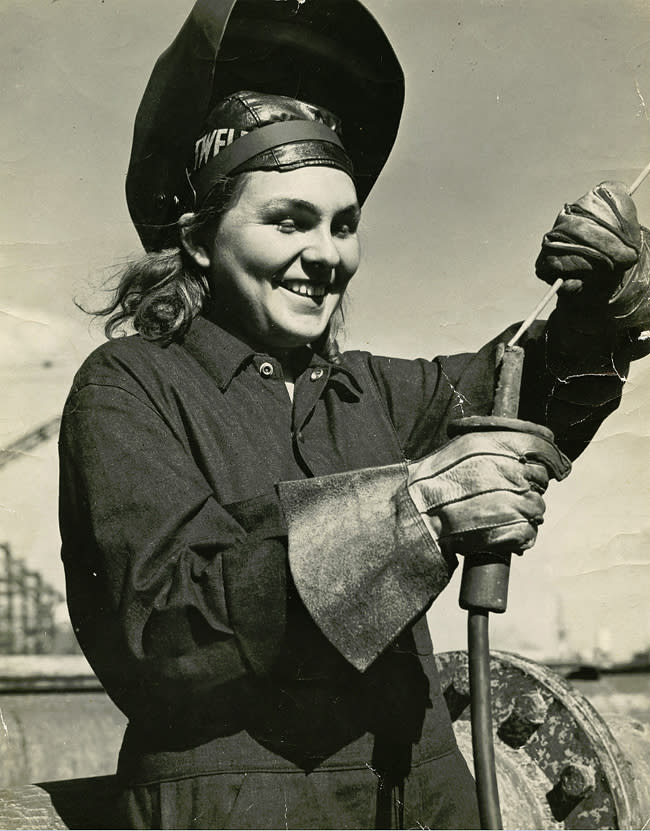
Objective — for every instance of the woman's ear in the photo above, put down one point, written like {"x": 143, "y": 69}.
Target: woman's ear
{"x": 195, "y": 250}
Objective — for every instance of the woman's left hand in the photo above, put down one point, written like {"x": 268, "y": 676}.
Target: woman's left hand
{"x": 602, "y": 253}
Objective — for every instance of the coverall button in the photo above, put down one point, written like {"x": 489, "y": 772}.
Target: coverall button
{"x": 316, "y": 374}
{"x": 266, "y": 369}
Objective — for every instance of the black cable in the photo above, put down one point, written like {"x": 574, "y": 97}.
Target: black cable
{"x": 481, "y": 709}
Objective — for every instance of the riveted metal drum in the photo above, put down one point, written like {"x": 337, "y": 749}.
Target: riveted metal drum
{"x": 559, "y": 764}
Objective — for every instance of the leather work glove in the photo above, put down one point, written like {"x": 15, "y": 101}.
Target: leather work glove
{"x": 598, "y": 247}
{"x": 482, "y": 491}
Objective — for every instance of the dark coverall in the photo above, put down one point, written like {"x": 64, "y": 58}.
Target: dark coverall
{"x": 242, "y": 714}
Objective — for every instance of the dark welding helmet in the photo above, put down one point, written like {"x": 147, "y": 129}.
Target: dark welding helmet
{"x": 261, "y": 85}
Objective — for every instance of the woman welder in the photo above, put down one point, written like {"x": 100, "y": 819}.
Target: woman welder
{"x": 249, "y": 551}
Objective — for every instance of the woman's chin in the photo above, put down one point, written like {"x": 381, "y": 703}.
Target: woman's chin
{"x": 292, "y": 335}
{"x": 294, "y": 340}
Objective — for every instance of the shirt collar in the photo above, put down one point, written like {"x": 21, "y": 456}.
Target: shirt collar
{"x": 339, "y": 373}
{"x": 219, "y": 353}
{"x": 222, "y": 355}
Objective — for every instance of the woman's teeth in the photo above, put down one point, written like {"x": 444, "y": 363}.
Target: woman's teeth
{"x": 306, "y": 289}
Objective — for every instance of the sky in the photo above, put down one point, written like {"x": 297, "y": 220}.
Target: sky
{"x": 512, "y": 109}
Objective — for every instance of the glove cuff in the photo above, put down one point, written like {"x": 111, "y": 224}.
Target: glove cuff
{"x": 629, "y": 305}
{"x": 470, "y": 424}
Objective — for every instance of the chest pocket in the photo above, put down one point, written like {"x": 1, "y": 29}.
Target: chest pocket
{"x": 345, "y": 432}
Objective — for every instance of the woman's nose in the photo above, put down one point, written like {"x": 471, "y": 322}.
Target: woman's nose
{"x": 321, "y": 250}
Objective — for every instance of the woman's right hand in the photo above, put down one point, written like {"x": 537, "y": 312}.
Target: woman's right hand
{"x": 482, "y": 491}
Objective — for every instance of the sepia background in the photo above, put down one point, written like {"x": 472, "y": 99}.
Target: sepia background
{"x": 512, "y": 109}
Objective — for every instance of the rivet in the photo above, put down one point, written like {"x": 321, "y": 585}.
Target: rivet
{"x": 577, "y": 780}
{"x": 529, "y": 712}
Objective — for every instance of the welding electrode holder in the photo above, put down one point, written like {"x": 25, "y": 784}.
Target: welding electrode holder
{"x": 484, "y": 583}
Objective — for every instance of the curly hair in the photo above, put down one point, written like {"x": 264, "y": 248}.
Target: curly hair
{"x": 161, "y": 292}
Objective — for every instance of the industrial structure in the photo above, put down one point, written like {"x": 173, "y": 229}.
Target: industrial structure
{"x": 27, "y": 608}
{"x": 27, "y": 602}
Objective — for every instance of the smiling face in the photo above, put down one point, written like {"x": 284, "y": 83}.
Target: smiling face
{"x": 283, "y": 254}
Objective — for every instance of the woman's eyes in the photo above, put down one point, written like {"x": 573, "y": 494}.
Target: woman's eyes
{"x": 290, "y": 225}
